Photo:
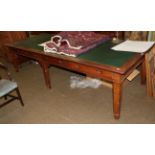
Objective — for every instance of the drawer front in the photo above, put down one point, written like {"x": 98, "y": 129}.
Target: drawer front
{"x": 81, "y": 68}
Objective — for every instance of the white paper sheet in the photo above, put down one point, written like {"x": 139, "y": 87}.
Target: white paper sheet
{"x": 134, "y": 46}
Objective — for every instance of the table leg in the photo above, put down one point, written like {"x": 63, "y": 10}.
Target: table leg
{"x": 143, "y": 73}
{"x": 46, "y": 74}
{"x": 16, "y": 66}
{"x": 14, "y": 61}
{"x": 117, "y": 93}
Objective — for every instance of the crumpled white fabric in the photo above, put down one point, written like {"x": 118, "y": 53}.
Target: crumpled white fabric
{"x": 80, "y": 82}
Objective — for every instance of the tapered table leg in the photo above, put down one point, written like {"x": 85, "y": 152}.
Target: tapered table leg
{"x": 14, "y": 60}
{"x": 16, "y": 66}
{"x": 143, "y": 73}
{"x": 117, "y": 93}
{"x": 46, "y": 74}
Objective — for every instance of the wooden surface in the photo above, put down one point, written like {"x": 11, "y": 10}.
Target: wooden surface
{"x": 133, "y": 75}
{"x": 10, "y": 37}
{"x": 150, "y": 67}
{"x": 153, "y": 81}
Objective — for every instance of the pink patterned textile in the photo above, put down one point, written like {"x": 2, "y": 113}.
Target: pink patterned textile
{"x": 75, "y": 42}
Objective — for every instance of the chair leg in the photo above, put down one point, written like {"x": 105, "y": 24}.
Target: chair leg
{"x": 19, "y": 96}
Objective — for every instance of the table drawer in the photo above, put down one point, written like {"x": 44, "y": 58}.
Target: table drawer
{"x": 82, "y": 68}
{"x": 93, "y": 71}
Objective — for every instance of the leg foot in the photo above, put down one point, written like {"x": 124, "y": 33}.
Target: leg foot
{"x": 116, "y": 116}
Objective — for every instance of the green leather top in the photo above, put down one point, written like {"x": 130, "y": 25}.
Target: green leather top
{"x": 33, "y": 41}
{"x": 105, "y": 55}
{"x": 102, "y": 54}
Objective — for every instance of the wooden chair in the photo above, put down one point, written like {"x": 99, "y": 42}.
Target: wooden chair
{"x": 7, "y": 86}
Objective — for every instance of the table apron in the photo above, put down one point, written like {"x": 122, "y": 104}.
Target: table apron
{"x": 81, "y": 68}
{"x": 87, "y": 69}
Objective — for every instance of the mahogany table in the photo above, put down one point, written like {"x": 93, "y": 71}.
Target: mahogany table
{"x": 100, "y": 62}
